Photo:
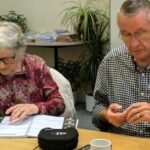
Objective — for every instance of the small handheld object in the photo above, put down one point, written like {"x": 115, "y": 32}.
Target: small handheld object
{"x": 86, "y": 147}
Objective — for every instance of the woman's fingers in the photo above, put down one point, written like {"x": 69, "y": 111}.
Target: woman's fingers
{"x": 21, "y": 111}
{"x": 9, "y": 110}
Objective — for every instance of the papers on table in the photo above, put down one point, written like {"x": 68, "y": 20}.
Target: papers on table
{"x": 40, "y": 37}
{"x": 44, "y": 121}
{"x": 29, "y": 127}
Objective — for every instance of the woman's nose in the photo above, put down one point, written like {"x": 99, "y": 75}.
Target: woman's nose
{"x": 2, "y": 64}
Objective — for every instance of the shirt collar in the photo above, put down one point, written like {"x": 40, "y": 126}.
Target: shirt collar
{"x": 21, "y": 69}
{"x": 142, "y": 70}
{"x": 130, "y": 62}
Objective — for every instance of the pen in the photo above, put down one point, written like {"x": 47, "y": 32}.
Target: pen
{"x": 86, "y": 147}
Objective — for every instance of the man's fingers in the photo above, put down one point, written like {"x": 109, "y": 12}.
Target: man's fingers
{"x": 137, "y": 118}
{"x": 137, "y": 105}
{"x": 137, "y": 109}
{"x": 133, "y": 112}
{"x": 115, "y": 107}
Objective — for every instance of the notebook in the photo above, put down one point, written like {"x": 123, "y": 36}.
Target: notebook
{"x": 29, "y": 127}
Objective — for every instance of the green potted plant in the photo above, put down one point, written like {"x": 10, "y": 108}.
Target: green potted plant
{"x": 91, "y": 25}
{"x": 71, "y": 70}
{"x": 20, "y": 19}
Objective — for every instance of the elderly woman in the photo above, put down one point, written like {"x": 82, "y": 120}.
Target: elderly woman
{"x": 26, "y": 85}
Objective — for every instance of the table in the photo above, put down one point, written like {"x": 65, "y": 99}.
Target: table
{"x": 55, "y": 45}
{"x": 119, "y": 142}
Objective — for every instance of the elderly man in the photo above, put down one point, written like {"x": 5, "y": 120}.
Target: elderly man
{"x": 122, "y": 87}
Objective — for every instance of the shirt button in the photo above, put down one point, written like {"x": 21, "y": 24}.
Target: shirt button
{"x": 142, "y": 94}
{"x": 143, "y": 74}
{"x": 141, "y": 131}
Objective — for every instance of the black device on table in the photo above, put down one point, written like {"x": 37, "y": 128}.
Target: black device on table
{"x": 58, "y": 139}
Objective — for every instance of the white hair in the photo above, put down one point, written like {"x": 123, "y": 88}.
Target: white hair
{"x": 12, "y": 37}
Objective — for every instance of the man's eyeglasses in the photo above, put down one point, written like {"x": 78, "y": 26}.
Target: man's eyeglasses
{"x": 8, "y": 60}
{"x": 140, "y": 35}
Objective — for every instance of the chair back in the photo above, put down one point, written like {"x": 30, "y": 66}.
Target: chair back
{"x": 65, "y": 91}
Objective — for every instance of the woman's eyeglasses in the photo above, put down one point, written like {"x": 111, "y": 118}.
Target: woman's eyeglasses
{"x": 8, "y": 60}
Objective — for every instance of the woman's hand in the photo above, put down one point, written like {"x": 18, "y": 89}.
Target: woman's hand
{"x": 21, "y": 111}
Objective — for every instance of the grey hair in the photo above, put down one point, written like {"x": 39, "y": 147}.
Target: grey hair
{"x": 132, "y": 7}
{"x": 12, "y": 37}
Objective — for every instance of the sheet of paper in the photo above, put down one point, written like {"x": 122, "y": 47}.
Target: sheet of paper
{"x": 43, "y": 121}
{"x": 18, "y": 129}
{"x": 30, "y": 126}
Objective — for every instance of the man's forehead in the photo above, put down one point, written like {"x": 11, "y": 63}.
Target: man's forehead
{"x": 134, "y": 23}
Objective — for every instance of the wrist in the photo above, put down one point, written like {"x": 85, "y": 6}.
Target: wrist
{"x": 104, "y": 116}
{"x": 36, "y": 109}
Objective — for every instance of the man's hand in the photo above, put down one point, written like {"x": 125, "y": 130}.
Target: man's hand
{"x": 138, "y": 112}
{"x": 21, "y": 111}
{"x": 115, "y": 117}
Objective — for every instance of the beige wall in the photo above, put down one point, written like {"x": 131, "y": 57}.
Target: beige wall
{"x": 114, "y": 7}
{"x": 44, "y": 16}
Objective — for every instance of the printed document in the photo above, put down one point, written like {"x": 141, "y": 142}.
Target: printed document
{"x": 30, "y": 127}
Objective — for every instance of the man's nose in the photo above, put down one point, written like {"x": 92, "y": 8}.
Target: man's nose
{"x": 134, "y": 42}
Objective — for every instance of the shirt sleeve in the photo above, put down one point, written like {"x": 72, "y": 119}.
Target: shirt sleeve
{"x": 54, "y": 103}
{"x": 100, "y": 95}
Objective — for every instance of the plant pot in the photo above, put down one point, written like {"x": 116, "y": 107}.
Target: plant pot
{"x": 90, "y": 102}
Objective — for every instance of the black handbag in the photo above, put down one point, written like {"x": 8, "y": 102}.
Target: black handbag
{"x": 58, "y": 139}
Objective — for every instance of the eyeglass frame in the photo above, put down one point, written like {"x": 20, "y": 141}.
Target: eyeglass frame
{"x": 139, "y": 35}
{"x": 5, "y": 59}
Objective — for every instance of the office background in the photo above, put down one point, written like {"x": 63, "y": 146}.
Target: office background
{"x": 44, "y": 16}
{"x": 114, "y": 35}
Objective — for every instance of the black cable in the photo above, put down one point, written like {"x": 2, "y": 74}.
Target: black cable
{"x": 86, "y": 147}
{"x": 35, "y": 147}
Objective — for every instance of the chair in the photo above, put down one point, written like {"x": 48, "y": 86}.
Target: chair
{"x": 66, "y": 92}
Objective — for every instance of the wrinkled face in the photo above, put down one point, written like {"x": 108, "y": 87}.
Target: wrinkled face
{"x": 135, "y": 32}
{"x": 8, "y": 62}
